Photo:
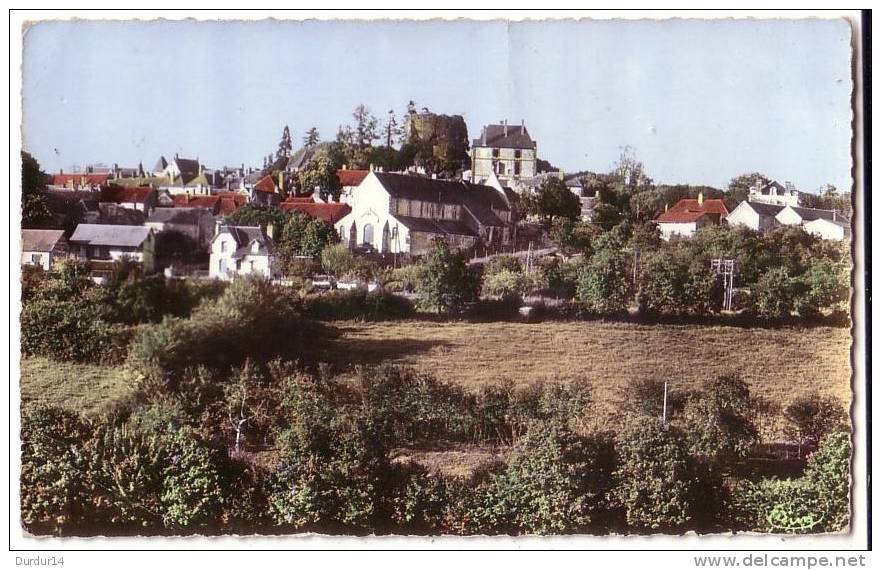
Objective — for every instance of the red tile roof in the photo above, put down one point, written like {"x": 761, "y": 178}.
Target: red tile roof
{"x": 266, "y": 185}
{"x": 331, "y": 212}
{"x": 221, "y": 203}
{"x": 299, "y": 199}
{"x": 690, "y": 210}
{"x": 351, "y": 177}
{"x": 127, "y": 194}
{"x": 80, "y": 179}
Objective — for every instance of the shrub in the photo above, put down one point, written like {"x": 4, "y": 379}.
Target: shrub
{"x": 775, "y": 293}
{"x": 446, "y": 282}
{"x": 69, "y": 330}
{"x": 819, "y": 501}
{"x": 604, "y": 282}
{"x": 544, "y": 490}
{"x": 719, "y": 422}
{"x": 507, "y": 284}
{"x": 825, "y": 286}
{"x": 810, "y": 418}
{"x": 252, "y": 319}
{"x": 337, "y": 259}
{"x": 376, "y": 305}
{"x": 655, "y": 478}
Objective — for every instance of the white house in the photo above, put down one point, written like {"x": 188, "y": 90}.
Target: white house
{"x": 759, "y": 216}
{"x": 835, "y": 230}
{"x": 689, "y": 215}
{"x": 400, "y": 213}
{"x": 41, "y": 248}
{"x": 241, "y": 250}
{"x": 795, "y": 216}
{"x": 774, "y": 193}
{"x": 102, "y": 242}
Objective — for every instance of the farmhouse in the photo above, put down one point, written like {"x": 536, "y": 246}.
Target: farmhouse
{"x": 399, "y": 213}
{"x": 41, "y": 248}
{"x": 99, "y": 242}
{"x": 689, "y": 215}
{"x": 241, "y": 250}
{"x": 759, "y": 216}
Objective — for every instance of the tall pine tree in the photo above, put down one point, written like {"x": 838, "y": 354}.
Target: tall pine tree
{"x": 285, "y": 146}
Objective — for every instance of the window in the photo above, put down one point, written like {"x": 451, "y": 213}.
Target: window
{"x": 501, "y": 168}
{"x": 516, "y": 168}
{"x": 495, "y": 153}
{"x": 368, "y": 234}
{"x": 251, "y": 266}
{"x": 222, "y": 246}
{"x": 517, "y": 153}
{"x": 35, "y": 259}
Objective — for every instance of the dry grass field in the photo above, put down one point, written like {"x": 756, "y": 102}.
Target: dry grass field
{"x": 779, "y": 364}
{"x": 83, "y": 388}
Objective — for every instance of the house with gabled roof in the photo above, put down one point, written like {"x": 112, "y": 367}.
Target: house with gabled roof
{"x": 828, "y": 224}
{"x": 41, "y": 248}
{"x": 140, "y": 198}
{"x": 241, "y": 250}
{"x": 401, "y": 213}
{"x": 79, "y": 181}
{"x": 193, "y": 222}
{"x": 689, "y": 215}
{"x": 330, "y": 212}
{"x": 103, "y": 242}
{"x": 349, "y": 181}
{"x": 507, "y": 151}
{"x": 772, "y": 192}
{"x": 760, "y": 216}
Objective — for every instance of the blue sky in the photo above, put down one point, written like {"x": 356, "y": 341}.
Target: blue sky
{"x": 700, "y": 101}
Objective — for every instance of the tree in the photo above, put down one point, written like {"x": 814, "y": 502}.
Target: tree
{"x": 738, "y": 187}
{"x": 337, "y": 259}
{"x": 34, "y": 210}
{"x": 285, "y": 145}
{"x": 242, "y": 402}
{"x": 811, "y": 418}
{"x": 553, "y": 201}
{"x": 446, "y": 282}
{"x": 311, "y": 138}
{"x": 630, "y": 171}
{"x": 604, "y": 282}
{"x": 440, "y": 142}
{"x": 775, "y": 293}
{"x": 719, "y": 423}
{"x": 254, "y": 214}
{"x": 365, "y": 127}
{"x": 320, "y": 176}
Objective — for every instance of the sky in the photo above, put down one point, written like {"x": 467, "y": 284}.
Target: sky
{"x": 699, "y": 101}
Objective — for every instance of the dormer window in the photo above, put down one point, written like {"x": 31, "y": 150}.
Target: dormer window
{"x": 255, "y": 248}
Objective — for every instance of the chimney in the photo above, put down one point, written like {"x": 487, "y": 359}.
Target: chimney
{"x": 60, "y": 171}
{"x": 700, "y": 198}
{"x": 175, "y": 156}
{"x": 505, "y": 124}
{"x": 522, "y": 127}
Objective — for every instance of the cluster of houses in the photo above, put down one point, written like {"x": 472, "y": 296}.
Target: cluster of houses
{"x": 768, "y": 206}
{"x": 120, "y": 212}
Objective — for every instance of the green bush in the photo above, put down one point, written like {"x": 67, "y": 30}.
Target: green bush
{"x": 446, "y": 282}
{"x": 604, "y": 282}
{"x": 251, "y": 319}
{"x": 377, "y": 305}
{"x": 819, "y": 501}
{"x": 775, "y": 293}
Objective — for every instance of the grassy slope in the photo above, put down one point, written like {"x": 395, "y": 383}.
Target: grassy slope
{"x": 83, "y": 388}
{"x": 779, "y": 364}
